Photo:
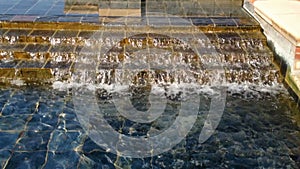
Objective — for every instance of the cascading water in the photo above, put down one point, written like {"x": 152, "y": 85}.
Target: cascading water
{"x": 135, "y": 78}
{"x": 159, "y": 59}
{"x": 152, "y": 90}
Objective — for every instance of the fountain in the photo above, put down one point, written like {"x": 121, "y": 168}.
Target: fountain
{"x": 182, "y": 84}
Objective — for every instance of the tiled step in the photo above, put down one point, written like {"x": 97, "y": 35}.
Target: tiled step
{"x": 246, "y": 46}
{"x": 80, "y": 22}
{"x": 246, "y": 39}
{"x": 23, "y": 76}
{"x": 66, "y": 73}
{"x": 56, "y": 53}
{"x": 13, "y": 36}
{"x": 78, "y": 37}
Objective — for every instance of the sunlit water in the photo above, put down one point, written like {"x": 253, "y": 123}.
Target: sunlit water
{"x": 39, "y": 128}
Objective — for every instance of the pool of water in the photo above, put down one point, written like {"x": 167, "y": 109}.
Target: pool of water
{"x": 39, "y": 129}
{"x": 77, "y": 118}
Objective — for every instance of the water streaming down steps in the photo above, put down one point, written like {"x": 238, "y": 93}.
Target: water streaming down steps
{"x": 47, "y": 56}
{"x": 254, "y": 132}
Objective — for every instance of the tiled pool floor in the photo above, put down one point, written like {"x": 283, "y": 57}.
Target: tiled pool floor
{"x": 64, "y": 7}
{"x": 87, "y": 11}
{"x": 39, "y": 129}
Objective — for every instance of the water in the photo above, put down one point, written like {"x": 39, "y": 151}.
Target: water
{"x": 39, "y": 129}
{"x": 156, "y": 92}
{"x": 59, "y": 125}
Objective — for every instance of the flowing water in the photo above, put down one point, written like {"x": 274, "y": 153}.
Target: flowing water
{"x": 141, "y": 93}
{"x": 47, "y": 126}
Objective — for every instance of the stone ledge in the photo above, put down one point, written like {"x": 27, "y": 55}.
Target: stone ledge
{"x": 279, "y": 19}
{"x": 282, "y": 17}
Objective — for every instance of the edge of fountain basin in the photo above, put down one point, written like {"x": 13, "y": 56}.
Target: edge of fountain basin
{"x": 37, "y": 25}
{"x": 283, "y": 35}
{"x": 9, "y": 75}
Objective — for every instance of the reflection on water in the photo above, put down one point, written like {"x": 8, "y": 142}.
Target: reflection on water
{"x": 38, "y": 128}
{"x": 171, "y": 7}
{"x": 187, "y": 8}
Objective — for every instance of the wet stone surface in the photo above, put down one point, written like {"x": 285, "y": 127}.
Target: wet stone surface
{"x": 39, "y": 129}
{"x": 88, "y": 11}
{"x": 243, "y": 54}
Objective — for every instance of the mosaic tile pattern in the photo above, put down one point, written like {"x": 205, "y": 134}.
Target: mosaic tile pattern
{"x": 87, "y": 11}
{"x": 59, "y": 51}
{"x": 39, "y": 129}
{"x": 62, "y": 7}
{"x": 38, "y": 124}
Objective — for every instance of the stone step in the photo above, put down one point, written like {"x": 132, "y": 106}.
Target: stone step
{"x": 79, "y": 37}
{"x": 56, "y": 52}
{"x": 206, "y": 77}
{"x": 230, "y": 53}
{"x": 22, "y": 40}
{"x": 228, "y": 61}
{"x": 25, "y": 36}
{"x": 50, "y": 70}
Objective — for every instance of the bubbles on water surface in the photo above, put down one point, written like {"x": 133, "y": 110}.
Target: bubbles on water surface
{"x": 156, "y": 63}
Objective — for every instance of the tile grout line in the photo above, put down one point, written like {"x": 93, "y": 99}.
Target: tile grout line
{"x": 29, "y": 118}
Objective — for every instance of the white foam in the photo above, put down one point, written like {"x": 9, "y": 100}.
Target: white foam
{"x": 184, "y": 89}
{"x": 17, "y": 82}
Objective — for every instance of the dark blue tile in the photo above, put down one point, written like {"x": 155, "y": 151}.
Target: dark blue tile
{"x": 99, "y": 156}
{"x": 25, "y": 160}
{"x": 4, "y": 156}
{"x": 42, "y": 122}
{"x": 8, "y": 140}
{"x": 245, "y": 21}
{"x": 17, "y": 107}
{"x": 6, "y": 17}
{"x": 22, "y": 102}
{"x": 89, "y": 146}
{"x": 55, "y": 12}
{"x": 5, "y": 94}
{"x": 9, "y": 64}
{"x": 180, "y": 21}
{"x": 39, "y": 12}
{"x": 12, "y": 2}
{"x": 17, "y": 32}
{"x": 30, "y": 64}
{"x": 28, "y": 3}
{"x": 13, "y": 123}
{"x": 69, "y": 19}
{"x": 73, "y": 125}
{"x": 16, "y": 11}
{"x": 224, "y": 22}
{"x": 42, "y": 5}
{"x": 3, "y": 9}
{"x": 60, "y": 65}
{"x": 63, "y": 141}
{"x": 36, "y": 48}
{"x": 90, "y": 19}
{"x": 62, "y": 160}
{"x": 33, "y": 141}
{"x": 47, "y": 19}
{"x": 202, "y": 21}
{"x": 50, "y": 111}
